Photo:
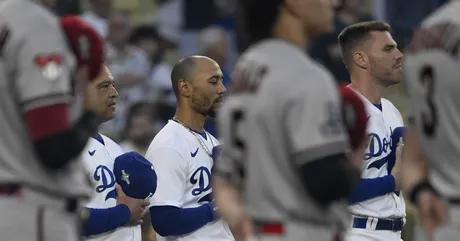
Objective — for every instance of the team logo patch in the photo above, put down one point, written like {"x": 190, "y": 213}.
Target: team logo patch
{"x": 50, "y": 65}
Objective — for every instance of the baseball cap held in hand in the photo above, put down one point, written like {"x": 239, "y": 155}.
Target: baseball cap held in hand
{"x": 135, "y": 175}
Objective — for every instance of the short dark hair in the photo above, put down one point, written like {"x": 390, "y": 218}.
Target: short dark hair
{"x": 355, "y": 34}
{"x": 182, "y": 70}
{"x": 256, "y": 19}
{"x": 144, "y": 32}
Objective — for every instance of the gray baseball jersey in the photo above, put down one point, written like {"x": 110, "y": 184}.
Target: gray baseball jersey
{"x": 283, "y": 111}
{"x": 35, "y": 71}
{"x": 432, "y": 79}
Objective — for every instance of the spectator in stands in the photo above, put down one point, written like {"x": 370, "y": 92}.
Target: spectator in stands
{"x": 130, "y": 68}
{"x": 214, "y": 42}
{"x": 326, "y": 50}
{"x": 140, "y": 127}
{"x": 146, "y": 37}
{"x": 98, "y": 15}
{"x": 405, "y": 16}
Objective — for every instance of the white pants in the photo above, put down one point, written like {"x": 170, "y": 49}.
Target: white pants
{"x": 358, "y": 234}
{"x": 28, "y": 218}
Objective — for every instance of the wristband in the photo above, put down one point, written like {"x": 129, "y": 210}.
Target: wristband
{"x": 418, "y": 188}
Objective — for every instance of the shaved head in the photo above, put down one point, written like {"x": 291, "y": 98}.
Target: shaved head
{"x": 185, "y": 70}
{"x": 197, "y": 82}
{"x": 182, "y": 70}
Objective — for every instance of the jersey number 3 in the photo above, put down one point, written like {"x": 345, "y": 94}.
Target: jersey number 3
{"x": 429, "y": 117}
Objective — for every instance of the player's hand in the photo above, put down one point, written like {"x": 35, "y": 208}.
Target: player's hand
{"x": 137, "y": 207}
{"x": 397, "y": 169}
{"x": 241, "y": 227}
{"x": 357, "y": 157}
{"x": 432, "y": 212}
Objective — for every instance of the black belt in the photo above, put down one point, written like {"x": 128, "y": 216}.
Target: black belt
{"x": 382, "y": 224}
{"x": 15, "y": 190}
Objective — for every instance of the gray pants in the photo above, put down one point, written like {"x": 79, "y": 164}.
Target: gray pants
{"x": 32, "y": 216}
{"x": 294, "y": 231}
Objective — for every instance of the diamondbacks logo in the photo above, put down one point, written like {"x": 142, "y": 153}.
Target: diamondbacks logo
{"x": 50, "y": 65}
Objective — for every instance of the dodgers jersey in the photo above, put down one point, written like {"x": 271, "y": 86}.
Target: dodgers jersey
{"x": 432, "y": 79}
{"x": 283, "y": 111}
{"x": 381, "y": 124}
{"x": 99, "y": 156}
{"x": 184, "y": 176}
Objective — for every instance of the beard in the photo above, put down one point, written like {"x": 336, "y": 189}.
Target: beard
{"x": 203, "y": 106}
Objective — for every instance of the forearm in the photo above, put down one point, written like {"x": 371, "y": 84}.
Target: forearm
{"x": 228, "y": 200}
{"x": 105, "y": 220}
{"x": 414, "y": 165}
{"x": 369, "y": 188}
{"x": 174, "y": 221}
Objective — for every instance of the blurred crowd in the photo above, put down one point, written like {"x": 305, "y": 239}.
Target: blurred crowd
{"x": 145, "y": 37}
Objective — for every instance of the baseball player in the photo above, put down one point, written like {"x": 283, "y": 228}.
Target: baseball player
{"x": 374, "y": 61}
{"x": 183, "y": 155}
{"x": 42, "y": 182}
{"x": 284, "y": 144}
{"x": 109, "y": 208}
{"x": 431, "y": 167}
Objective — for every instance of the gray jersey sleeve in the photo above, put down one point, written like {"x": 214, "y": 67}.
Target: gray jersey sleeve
{"x": 313, "y": 122}
{"x": 42, "y": 68}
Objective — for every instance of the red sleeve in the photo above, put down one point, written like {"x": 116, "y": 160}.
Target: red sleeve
{"x": 47, "y": 120}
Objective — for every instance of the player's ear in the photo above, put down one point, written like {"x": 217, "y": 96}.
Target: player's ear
{"x": 361, "y": 59}
{"x": 185, "y": 88}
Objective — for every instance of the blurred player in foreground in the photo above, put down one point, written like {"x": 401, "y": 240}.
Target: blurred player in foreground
{"x": 109, "y": 208}
{"x": 42, "y": 181}
{"x": 183, "y": 155}
{"x": 284, "y": 143}
{"x": 374, "y": 61}
{"x": 432, "y": 153}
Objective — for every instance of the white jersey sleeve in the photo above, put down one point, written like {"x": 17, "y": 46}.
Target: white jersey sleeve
{"x": 172, "y": 169}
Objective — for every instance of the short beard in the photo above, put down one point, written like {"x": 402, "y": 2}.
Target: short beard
{"x": 198, "y": 106}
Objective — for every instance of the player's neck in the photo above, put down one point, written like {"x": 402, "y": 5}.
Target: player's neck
{"x": 368, "y": 89}
{"x": 291, "y": 30}
{"x": 192, "y": 119}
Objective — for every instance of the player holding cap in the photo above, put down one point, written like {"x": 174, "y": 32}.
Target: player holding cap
{"x": 112, "y": 214}
{"x": 374, "y": 61}
{"x": 42, "y": 181}
{"x": 285, "y": 147}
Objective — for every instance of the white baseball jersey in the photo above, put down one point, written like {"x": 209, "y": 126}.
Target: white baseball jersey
{"x": 432, "y": 79}
{"x": 283, "y": 111}
{"x": 184, "y": 176}
{"x": 99, "y": 156}
{"x": 381, "y": 123}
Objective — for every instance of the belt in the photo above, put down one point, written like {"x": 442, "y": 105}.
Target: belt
{"x": 270, "y": 228}
{"x": 379, "y": 224}
{"x": 71, "y": 204}
{"x": 454, "y": 201}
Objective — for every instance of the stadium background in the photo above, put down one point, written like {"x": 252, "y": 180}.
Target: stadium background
{"x": 145, "y": 37}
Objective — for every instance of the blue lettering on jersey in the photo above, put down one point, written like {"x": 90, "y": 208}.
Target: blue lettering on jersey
{"x": 377, "y": 147}
{"x": 105, "y": 175}
{"x": 202, "y": 177}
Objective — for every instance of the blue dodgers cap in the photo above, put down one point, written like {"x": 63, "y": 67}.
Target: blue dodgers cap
{"x": 135, "y": 175}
